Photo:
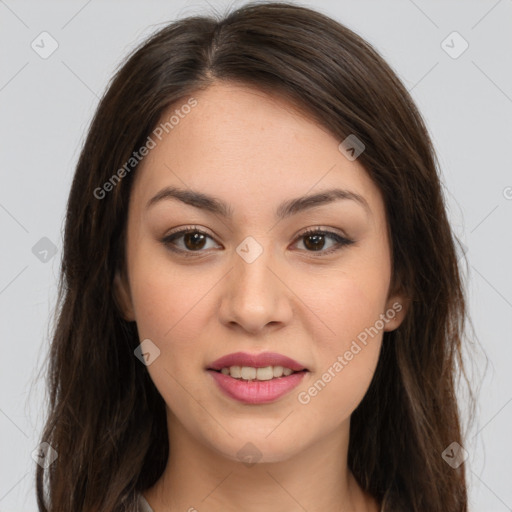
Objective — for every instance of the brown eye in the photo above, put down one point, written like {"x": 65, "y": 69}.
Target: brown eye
{"x": 191, "y": 241}
{"x": 314, "y": 240}
{"x": 187, "y": 241}
{"x": 194, "y": 240}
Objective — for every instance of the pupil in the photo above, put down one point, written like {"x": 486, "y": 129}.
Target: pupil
{"x": 317, "y": 244}
{"x": 194, "y": 238}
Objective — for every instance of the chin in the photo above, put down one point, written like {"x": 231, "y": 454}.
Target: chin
{"x": 255, "y": 449}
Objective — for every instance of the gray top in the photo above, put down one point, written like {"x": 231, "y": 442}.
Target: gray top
{"x": 143, "y": 504}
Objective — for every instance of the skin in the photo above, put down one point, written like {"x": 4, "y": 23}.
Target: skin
{"x": 254, "y": 151}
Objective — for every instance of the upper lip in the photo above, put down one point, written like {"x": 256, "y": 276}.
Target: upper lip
{"x": 256, "y": 361}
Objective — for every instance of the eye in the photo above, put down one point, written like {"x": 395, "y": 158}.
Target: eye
{"x": 314, "y": 241}
{"x": 192, "y": 240}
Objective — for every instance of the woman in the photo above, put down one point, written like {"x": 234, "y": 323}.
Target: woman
{"x": 261, "y": 306}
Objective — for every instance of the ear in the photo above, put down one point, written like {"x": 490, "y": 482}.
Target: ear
{"x": 123, "y": 296}
{"x": 397, "y": 307}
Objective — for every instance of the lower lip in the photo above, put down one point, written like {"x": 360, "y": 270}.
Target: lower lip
{"x": 256, "y": 391}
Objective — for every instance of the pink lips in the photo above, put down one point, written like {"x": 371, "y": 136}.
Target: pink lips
{"x": 256, "y": 392}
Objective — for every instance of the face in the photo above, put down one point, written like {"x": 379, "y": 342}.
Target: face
{"x": 248, "y": 277}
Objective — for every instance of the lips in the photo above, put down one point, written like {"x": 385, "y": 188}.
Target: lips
{"x": 256, "y": 392}
{"x": 256, "y": 361}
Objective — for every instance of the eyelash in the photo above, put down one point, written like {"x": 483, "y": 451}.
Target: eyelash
{"x": 341, "y": 241}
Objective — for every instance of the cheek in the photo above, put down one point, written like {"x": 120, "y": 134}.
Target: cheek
{"x": 161, "y": 292}
{"x": 347, "y": 304}
{"x": 170, "y": 307}
{"x": 171, "y": 304}
{"x": 348, "y": 354}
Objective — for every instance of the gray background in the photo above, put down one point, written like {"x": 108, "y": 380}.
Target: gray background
{"x": 46, "y": 105}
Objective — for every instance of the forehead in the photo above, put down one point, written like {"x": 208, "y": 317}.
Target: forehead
{"x": 243, "y": 144}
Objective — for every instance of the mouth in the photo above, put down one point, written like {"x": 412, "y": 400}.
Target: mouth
{"x": 256, "y": 386}
{"x": 255, "y": 379}
{"x": 261, "y": 374}
{"x": 266, "y": 364}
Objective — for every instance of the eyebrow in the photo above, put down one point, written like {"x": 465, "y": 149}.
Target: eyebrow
{"x": 286, "y": 209}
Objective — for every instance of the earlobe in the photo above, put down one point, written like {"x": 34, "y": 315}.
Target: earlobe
{"x": 122, "y": 296}
{"x": 397, "y": 307}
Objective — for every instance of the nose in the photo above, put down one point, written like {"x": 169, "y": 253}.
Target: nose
{"x": 255, "y": 296}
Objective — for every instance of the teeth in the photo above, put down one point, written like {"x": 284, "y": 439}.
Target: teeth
{"x": 250, "y": 373}
{"x": 278, "y": 371}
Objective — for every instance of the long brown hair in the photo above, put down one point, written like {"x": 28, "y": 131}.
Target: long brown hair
{"x": 106, "y": 419}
